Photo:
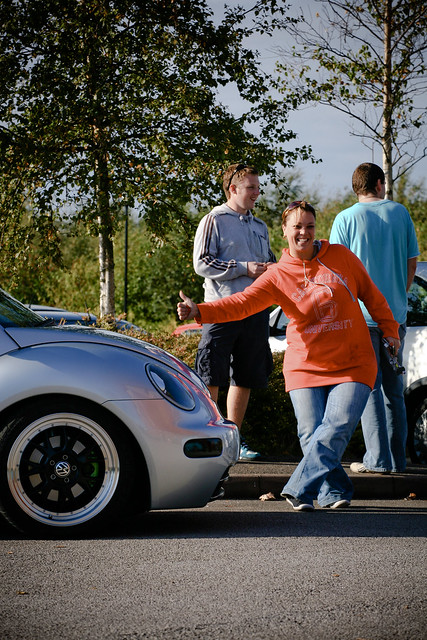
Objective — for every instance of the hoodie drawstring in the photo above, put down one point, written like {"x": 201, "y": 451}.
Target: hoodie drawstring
{"x": 322, "y": 284}
{"x": 307, "y": 280}
{"x": 339, "y": 278}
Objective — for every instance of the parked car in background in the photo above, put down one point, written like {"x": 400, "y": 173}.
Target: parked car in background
{"x": 96, "y": 425}
{"x": 62, "y": 316}
{"x": 414, "y": 361}
{"x": 187, "y": 329}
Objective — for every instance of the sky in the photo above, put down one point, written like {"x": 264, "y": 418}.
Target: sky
{"x": 324, "y": 128}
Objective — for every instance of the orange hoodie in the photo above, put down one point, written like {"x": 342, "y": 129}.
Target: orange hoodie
{"x": 328, "y": 339}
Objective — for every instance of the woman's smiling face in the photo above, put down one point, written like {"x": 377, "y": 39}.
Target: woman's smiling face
{"x": 300, "y": 230}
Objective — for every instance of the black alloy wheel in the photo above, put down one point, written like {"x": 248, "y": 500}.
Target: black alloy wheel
{"x": 64, "y": 467}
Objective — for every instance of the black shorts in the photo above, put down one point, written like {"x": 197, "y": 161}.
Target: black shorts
{"x": 236, "y": 353}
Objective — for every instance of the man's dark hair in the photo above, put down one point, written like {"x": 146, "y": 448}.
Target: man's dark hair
{"x": 365, "y": 178}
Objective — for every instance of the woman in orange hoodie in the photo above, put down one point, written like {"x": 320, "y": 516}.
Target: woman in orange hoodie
{"x": 329, "y": 365}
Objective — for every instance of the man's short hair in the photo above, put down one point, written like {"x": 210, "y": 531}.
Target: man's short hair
{"x": 235, "y": 173}
{"x": 365, "y": 178}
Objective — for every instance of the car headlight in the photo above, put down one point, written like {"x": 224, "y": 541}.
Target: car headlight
{"x": 171, "y": 387}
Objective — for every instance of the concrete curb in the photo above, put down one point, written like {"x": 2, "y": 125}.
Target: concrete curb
{"x": 252, "y": 484}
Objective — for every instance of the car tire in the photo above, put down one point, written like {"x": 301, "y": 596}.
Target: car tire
{"x": 64, "y": 467}
{"x": 417, "y": 430}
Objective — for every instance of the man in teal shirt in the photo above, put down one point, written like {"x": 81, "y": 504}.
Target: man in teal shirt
{"x": 381, "y": 233}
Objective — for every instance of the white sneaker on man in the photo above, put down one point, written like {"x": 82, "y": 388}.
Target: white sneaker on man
{"x": 359, "y": 467}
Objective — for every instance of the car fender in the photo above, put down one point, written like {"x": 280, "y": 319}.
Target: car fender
{"x": 117, "y": 379}
{"x": 95, "y": 371}
{"x": 414, "y": 358}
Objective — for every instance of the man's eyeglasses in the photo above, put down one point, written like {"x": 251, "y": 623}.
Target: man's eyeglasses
{"x": 236, "y": 170}
{"x": 300, "y": 204}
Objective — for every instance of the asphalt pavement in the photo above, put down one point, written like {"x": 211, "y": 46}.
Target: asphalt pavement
{"x": 251, "y": 480}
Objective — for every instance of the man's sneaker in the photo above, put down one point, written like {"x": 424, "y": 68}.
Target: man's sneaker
{"x": 339, "y": 504}
{"x": 296, "y": 504}
{"x": 359, "y": 467}
{"x": 248, "y": 454}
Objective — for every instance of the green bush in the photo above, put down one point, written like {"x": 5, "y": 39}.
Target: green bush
{"x": 270, "y": 425}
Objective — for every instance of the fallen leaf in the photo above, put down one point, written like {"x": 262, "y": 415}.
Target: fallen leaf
{"x": 267, "y": 496}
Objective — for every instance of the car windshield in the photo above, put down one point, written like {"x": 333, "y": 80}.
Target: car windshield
{"x": 15, "y": 314}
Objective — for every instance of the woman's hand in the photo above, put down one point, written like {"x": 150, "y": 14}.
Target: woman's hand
{"x": 394, "y": 345}
{"x": 187, "y": 310}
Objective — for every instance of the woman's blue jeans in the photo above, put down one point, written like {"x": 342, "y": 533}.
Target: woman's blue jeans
{"x": 327, "y": 417}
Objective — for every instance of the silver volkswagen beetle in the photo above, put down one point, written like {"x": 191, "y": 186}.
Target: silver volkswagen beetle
{"x": 95, "y": 425}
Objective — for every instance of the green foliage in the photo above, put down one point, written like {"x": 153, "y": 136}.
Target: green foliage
{"x": 183, "y": 347}
{"x": 157, "y": 270}
{"x": 413, "y": 196}
{"x": 275, "y": 197}
{"x": 326, "y": 213}
{"x": 72, "y": 285}
{"x": 270, "y": 425}
{"x": 107, "y": 103}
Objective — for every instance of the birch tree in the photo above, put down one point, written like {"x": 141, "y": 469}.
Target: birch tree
{"x": 367, "y": 60}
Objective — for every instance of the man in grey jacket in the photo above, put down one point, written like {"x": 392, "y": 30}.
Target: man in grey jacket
{"x": 231, "y": 249}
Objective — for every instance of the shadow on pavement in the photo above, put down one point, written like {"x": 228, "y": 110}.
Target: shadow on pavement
{"x": 269, "y": 520}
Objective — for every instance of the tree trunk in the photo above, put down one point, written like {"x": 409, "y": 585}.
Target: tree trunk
{"x": 106, "y": 276}
{"x": 105, "y": 238}
{"x": 387, "y": 104}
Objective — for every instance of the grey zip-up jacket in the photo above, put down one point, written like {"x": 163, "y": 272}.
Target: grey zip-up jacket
{"x": 224, "y": 244}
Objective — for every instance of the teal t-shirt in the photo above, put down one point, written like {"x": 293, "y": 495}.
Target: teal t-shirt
{"x": 382, "y": 235}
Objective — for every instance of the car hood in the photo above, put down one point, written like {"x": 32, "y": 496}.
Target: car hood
{"x": 33, "y": 336}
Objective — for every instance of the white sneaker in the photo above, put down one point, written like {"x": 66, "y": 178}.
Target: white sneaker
{"x": 340, "y": 504}
{"x": 359, "y": 467}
